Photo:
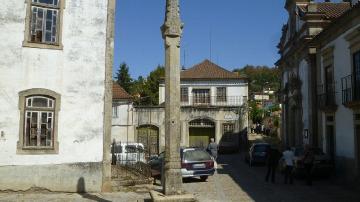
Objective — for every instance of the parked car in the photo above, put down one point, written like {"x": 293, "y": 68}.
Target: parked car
{"x": 257, "y": 153}
{"x": 323, "y": 165}
{"x": 128, "y": 153}
{"x": 195, "y": 162}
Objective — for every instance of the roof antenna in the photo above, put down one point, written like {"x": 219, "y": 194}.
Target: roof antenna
{"x": 210, "y": 36}
{"x": 184, "y": 59}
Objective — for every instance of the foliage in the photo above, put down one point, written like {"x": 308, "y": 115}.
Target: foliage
{"x": 256, "y": 114}
{"x": 152, "y": 85}
{"x": 144, "y": 90}
{"x": 123, "y": 77}
{"x": 261, "y": 77}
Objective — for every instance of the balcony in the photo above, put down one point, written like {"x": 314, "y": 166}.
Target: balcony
{"x": 327, "y": 98}
{"x": 213, "y": 101}
{"x": 350, "y": 91}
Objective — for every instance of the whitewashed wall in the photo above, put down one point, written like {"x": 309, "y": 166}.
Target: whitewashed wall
{"x": 343, "y": 116}
{"x": 77, "y": 73}
{"x": 123, "y": 129}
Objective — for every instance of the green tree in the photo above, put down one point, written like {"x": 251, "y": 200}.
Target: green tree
{"x": 261, "y": 77}
{"x": 123, "y": 77}
{"x": 256, "y": 114}
{"x": 152, "y": 84}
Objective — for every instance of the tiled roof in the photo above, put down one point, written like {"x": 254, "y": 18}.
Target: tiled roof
{"x": 119, "y": 92}
{"x": 209, "y": 70}
{"x": 331, "y": 10}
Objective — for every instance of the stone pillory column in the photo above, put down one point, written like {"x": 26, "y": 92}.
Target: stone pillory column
{"x": 171, "y": 32}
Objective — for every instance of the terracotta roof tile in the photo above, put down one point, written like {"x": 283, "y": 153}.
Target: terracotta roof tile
{"x": 331, "y": 10}
{"x": 119, "y": 92}
{"x": 209, "y": 70}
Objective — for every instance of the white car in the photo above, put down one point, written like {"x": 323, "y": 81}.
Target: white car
{"x": 128, "y": 153}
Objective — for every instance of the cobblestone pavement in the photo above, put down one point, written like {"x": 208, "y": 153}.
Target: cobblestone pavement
{"x": 236, "y": 181}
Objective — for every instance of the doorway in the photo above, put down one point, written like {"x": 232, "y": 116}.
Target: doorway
{"x": 330, "y": 136}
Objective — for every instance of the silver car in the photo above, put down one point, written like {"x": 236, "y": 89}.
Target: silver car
{"x": 195, "y": 162}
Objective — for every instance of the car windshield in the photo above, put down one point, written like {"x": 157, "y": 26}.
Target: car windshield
{"x": 261, "y": 148}
{"x": 196, "y": 155}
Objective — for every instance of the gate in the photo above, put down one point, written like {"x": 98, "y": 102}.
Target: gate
{"x": 149, "y": 137}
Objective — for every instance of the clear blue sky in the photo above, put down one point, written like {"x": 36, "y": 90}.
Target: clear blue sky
{"x": 243, "y": 32}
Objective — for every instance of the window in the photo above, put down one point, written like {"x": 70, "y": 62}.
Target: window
{"x": 228, "y": 128}
{"x": 184, "y": 95}
{"x": 221, "y": 94}
{"x": 356, "y": 62}
{"x": 115, "y": 111}
{"x": 38, "y": 121}
{"x": 43, "y": 28}
{"x": 201, "y": 96}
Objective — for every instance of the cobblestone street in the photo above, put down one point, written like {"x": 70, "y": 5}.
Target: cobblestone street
{"x": 236, "y": 181}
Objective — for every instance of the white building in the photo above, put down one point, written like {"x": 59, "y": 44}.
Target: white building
{"x": 55, "y": 63}
{"x": 319, "y": 50}
{"x": 123, "y": 115}
{"x": 338, "y": 75}
{"x": 213, "y": 105}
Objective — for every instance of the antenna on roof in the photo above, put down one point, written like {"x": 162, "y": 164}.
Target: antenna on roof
{"x": 210, "y": 40}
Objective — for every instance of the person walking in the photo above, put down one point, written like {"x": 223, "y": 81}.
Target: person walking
{"x": 213, "y": 149}
{"x": 308, "y": 164}
{"x": 288, "y": 157}
{"x": 272, "y": 161}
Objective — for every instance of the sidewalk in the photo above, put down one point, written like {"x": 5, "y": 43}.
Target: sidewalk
{"x": 74, "y": 197}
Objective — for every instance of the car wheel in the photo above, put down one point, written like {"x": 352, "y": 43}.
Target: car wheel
{"x": 203, "y": 178}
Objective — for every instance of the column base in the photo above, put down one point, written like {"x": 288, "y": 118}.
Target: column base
{"x": 158, "y": 196}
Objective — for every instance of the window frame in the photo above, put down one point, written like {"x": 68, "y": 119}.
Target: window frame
{"x": 221, "y": 97}
{"x": 184, "y": 94}
{"x": 38, "y": 150}
{"x": 27, "y": 38}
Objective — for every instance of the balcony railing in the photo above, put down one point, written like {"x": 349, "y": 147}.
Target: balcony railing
{"x": 327, "y": 97}
{"x": 350, "y": 90}
{"x": 215, "y": 101}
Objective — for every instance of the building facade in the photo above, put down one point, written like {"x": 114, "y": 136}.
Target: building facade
{"x": 53, "y": 94}
{"x": 213, "y": 105}
{"x": 319, "y": 59}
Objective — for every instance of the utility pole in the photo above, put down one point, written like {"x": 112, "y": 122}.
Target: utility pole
{"x": 171, "y": 33}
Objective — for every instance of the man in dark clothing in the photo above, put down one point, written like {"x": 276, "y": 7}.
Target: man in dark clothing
{"x": 308, "y": 164}
{"x": 273, "y": 157}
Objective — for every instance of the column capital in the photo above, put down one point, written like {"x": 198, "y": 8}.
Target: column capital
{"x": 172, "y": 26}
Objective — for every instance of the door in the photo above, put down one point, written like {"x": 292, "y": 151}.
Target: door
{"x": 357, "y": 147}
{"x": 200, "y": 137}
{"x": 149, "y": 137}
{"x": 330, "y": 141}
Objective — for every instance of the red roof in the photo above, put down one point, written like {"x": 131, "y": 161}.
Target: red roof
{"x": 209, "y": 70}
{"x": 330, "y": 9}
{"x": 119, "y": 92}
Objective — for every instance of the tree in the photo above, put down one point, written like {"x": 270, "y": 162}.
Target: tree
{"x": 123, "y": 77}
{"x": 261, "y": 77}
{"x": 152, "y": 84}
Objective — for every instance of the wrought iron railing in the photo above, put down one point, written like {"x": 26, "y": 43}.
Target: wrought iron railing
{"x": 213, "y": 101}
{"x": 327, "y": 96}
{"x": 350, "y": 89}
